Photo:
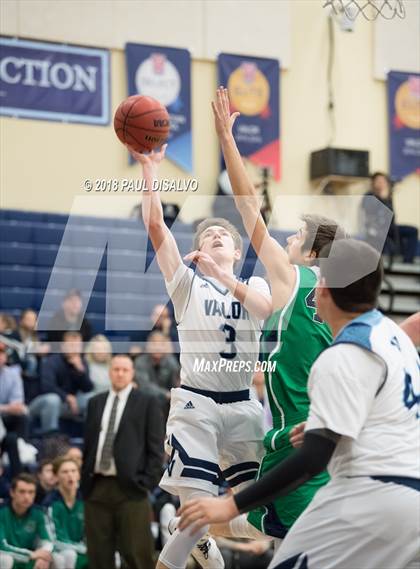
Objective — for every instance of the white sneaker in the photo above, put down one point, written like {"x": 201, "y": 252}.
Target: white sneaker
{"x": 205, "y": 551}
{"x": 207, "y": 554}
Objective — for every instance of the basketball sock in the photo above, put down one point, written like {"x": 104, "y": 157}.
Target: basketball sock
{"x": 177, "y": 549}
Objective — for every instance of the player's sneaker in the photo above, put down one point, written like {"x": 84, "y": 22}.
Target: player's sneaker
{"x": 205, "y": 551}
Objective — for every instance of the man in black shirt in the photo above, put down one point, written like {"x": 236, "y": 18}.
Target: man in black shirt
{"x": 64, "y": 381}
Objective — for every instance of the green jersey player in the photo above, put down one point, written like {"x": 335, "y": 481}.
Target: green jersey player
{"x": 24, "y": 540}
{"x": 66, "y": 516}
{"x": 294, "y": 334}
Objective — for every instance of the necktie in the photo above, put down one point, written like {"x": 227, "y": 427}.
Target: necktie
{"x": 107, "y": 449}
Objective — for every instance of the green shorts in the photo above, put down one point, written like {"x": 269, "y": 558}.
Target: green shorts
{"x": 278, "y": 517}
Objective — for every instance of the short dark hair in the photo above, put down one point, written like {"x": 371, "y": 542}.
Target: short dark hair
{"x": 23, "y": 477}
{"x": 71, "y": 334}
{"x": 377, "y": 174}
{"x": 351, "y": 256}
{"x": 44, "y": 462}
{"x": 321, "y": 231}
{"x": 121, "y": 356}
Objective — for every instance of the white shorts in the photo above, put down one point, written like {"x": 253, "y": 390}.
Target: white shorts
{"x": 355, "y": 523}
{"x": 209, "y": 441}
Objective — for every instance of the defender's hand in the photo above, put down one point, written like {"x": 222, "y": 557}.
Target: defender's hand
{"x": 223, "y": 120}
{"x": 296, "y": 435}
{"x": 196, "y": 514}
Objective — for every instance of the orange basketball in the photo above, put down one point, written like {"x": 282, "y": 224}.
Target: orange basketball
{"x": 142, "y": 122}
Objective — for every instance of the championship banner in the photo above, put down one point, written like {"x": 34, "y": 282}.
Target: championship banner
{"x": 254, "y": 86}
{"x": 404, "y": 123}
{"x": 165, "y": 74}
{"x": 54, "y": 81}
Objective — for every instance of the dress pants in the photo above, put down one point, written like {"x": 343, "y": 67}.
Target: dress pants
{"x": 115, "y": 522}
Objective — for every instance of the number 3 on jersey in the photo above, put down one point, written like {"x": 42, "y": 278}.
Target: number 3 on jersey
{"x": 230, "y": 337}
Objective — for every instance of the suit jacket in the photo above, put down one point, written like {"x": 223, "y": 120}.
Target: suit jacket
{"x": 138, "y": 444}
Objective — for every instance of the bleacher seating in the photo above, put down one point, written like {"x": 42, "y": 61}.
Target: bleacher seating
{"x": 105, "y": 258}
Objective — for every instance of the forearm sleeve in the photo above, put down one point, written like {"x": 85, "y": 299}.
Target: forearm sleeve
{"x": 311, "y": 459}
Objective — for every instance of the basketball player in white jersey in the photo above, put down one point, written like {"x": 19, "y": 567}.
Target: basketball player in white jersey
{"x": 363, "y": 423}
{"x": 214, "y": 429}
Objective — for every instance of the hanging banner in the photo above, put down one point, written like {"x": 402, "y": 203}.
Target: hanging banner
{"x": 404, "y": 123}
{"x": 254, "y": 91}
{"x": 54, "y": 82}
{"x": 165, "y": 74}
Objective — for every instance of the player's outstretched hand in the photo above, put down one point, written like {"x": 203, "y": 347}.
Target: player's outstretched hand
{"x": 206, "y": 265}
{"x": 196, "y": 514}
{"x": 296, "y": 435}
{"x": 223, "y": 120}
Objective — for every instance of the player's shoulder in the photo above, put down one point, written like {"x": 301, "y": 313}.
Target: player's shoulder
{"x": 351, "y": 365}
{"x": 255, "y": 282}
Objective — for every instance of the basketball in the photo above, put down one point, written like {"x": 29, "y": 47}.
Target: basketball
{"x": 142, "y": 122}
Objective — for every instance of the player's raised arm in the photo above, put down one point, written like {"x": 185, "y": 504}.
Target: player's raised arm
{"x": 163, "y": 242}
{"x": 270, "y": 252}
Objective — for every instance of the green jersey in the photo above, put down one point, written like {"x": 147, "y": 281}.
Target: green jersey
{"x": 292, "y": 340}
{"x": 67, "y": 525}
{"x": 21, "y": 535}
{"x": 293, "y": 337}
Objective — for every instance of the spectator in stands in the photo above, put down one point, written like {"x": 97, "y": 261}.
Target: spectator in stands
{"x": 98, "y": 356}
{"x": 400, "y": 238}
{"x": 74, "y": 453}
{"x": 158, "y": 370}
{"x": 7, "y": 324}
{"x": 65, "y": 510}
{"x": 134, "y": 351}
{"x": 24, "y": 540}
{"x": 122, "y": 460}
{"x": 69, "y": 317}
{"x": 13, "y": 410}
{"x": 15, "y": 350}
{"x": 9, "y": 445}
{"x": 29, "y": 350}
{"x": 46, "y": 480}
{"x": 162, "y": 321}
{"x": 64, "y": 381}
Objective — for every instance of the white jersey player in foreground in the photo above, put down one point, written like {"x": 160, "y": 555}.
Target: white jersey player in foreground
{"x": 214, "y": 429}
{"x": 364, "y": 423}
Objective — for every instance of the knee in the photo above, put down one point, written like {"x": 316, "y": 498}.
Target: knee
{"x": 52, "y": 401}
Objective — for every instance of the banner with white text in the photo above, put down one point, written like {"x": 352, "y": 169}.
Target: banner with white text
{"x": 54, "y": 82}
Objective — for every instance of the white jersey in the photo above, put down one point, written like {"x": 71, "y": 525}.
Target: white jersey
{"x": 366, "y": 387}
{"x": 219, "y": 339}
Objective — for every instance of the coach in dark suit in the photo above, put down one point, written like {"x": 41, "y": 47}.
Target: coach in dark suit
{"x": 123, "y": 457}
